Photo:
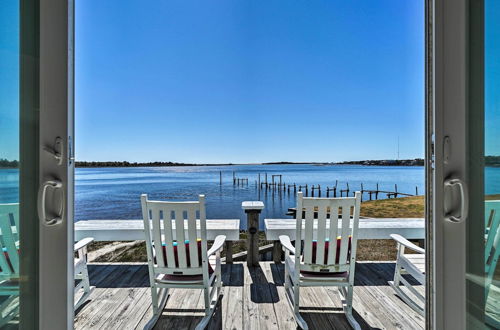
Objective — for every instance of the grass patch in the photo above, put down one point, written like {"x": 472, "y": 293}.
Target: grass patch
{"x": 406, "y": 207}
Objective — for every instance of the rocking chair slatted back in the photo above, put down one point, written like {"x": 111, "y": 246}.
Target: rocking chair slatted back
{"x": 321, "y": 253}
{"x": 174, "y": 250}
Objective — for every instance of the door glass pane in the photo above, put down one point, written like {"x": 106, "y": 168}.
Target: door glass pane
{"x": 492, "y": 162}
{"x": 9, "y": 164}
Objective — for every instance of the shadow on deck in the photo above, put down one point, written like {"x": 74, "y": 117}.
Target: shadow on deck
{"x": 252, "y": 298}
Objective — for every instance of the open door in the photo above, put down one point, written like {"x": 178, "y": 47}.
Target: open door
{"x": 36, "y": 178}
{"x": 56, "y": 172}
{"x": 465, "y": 291}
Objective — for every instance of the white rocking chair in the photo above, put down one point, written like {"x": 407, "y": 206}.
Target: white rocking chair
{"x": 492, "y": 248}
{"x": 414, "y": 265}
{"x": 172, "y": 260}
{"x": 321, "y": 263}
{"x": 9, "y": 264}
{"x": 81, "y": 271}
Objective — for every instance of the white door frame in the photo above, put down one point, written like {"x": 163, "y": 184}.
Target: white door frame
{"x": 56, "y": 120}
{"x": 447, "y": 296}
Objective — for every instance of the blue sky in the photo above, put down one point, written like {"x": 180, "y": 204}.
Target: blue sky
{"x": 246, "y": 81}
{"x": 9, "y": 79}
{"x": 249, "y": 81}
{"x": 492, "y": 77}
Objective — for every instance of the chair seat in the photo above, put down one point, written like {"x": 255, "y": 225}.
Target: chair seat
{"x": 318, "y": 276}
{"x": 187, "y": 279}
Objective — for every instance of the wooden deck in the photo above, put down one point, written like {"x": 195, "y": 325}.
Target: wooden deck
{"x": 252, "y": 299}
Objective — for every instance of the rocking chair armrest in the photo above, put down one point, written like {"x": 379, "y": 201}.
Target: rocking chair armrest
{"x": 83, "y": 243}
{"x": 218, "y": 245}
{"x": 286, "y": 243}
{"x": 406, "y": 243}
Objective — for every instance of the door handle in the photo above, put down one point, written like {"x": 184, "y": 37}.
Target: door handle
{"x": 464, "y": 199}
{"x": 42, "y": 194}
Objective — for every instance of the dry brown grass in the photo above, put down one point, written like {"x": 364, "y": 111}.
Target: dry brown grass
{"x": 406, "y": 207}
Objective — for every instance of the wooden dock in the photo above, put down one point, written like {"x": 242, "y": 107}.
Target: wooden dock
{"x": 253, "y": 298}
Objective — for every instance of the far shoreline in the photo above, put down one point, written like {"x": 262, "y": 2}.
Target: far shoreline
{"x": 404, "y": 162}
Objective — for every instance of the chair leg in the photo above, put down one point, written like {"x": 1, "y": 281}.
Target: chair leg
{"x": 154, "y": 298}
{"x": 219, "y": 282}
{"x": 397, "y": 274}
{"x": 159, "y": 300}
{"x": 287, "y": 278}
{"x": 209, "y": 309}
{"x": 87, "y": 289}
{"x": 296, "y": 302}
{"x": 347, "y": 304}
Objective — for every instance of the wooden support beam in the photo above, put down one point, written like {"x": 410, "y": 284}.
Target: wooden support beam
{"x": 229, "y": 252}
{"x": 253, "y": 210}
{"x": 277, "y": 252}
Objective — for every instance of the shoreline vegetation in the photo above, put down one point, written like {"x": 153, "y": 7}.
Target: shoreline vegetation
{"x": 388, "y": 162}
{"x": 405, "y": 207}
{"x": 490, "y": 161}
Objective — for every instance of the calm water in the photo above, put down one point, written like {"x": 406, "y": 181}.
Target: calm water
{"x": 113, "y": 193}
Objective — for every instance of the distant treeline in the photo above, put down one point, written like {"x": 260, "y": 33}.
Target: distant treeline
{"x": 128, "y": 164}
{"x": 492, "y": 161}
{"x": 4, "y": 163}
{"x": 387, "y": 162}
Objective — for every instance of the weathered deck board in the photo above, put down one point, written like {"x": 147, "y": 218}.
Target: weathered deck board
{"x": 252, "y": 299}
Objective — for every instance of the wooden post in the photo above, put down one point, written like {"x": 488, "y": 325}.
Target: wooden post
{"x": 259, "y": 180}
{"x": 220, "y": 178}
{"x": 277, "y": 252}
{"x": 253, "y": 210}
{"x": 416, "y": 190}
{"x": 376, "y": 192}
{"x": 229, "y": 252}
{"x": 395, "y": 191}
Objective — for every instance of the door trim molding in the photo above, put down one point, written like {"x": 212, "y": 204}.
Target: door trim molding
{"x": 449, "y": 56}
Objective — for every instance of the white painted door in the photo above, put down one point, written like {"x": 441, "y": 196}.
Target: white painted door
{"x": 464, "y": 291}
{"x": 36, "y": 174}
{"x": 56, "y": 133}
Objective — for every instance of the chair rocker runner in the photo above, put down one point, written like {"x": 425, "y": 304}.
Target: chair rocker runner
{"x": 328, "y": 255}
{"x": 177, "y": 253}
